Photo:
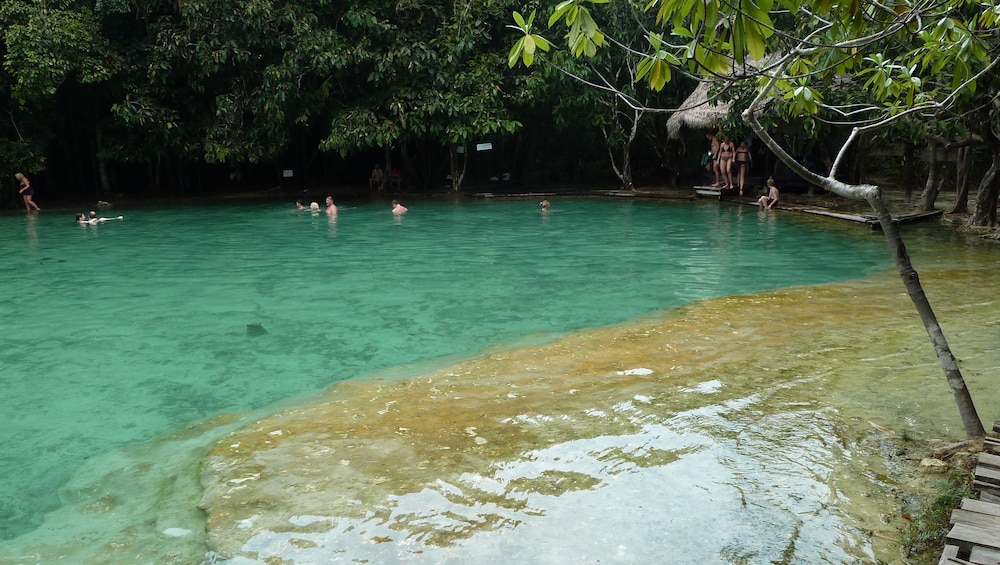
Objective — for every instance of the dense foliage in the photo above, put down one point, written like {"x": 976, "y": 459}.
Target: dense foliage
{"x": 908, "y": 68}
{"x": 152, "y": 98}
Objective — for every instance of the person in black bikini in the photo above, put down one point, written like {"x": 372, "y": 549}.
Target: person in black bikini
{"x": 26, "y": 192}
{"x": 743, "y": 163}
{"x": 726, "y": 150}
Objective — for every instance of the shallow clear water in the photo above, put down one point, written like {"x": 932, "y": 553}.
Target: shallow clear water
{"x": 119, "y": 333}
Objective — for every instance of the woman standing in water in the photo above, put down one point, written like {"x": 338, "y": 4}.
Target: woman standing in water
{"x": 26, "y": 192}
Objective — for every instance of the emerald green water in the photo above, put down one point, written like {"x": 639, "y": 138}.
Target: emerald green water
{"x": 119, "y": 333}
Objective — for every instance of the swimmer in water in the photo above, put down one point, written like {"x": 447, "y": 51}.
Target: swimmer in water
{"x": 93, "y": 220}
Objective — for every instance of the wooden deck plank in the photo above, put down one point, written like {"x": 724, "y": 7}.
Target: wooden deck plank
{"x": 826, "y": 212}
{"x": 988, "y": 474}
{"x": 949, "y": 552}
{"x": 985, "y": 488}
{"x": 979, "y": 520}
{"x": 984, "y": 556}
{"x": 989, "y": 497}
{"x": 990, "y": 459}
{"x": 980, "y": 506}
{"x": 966, "y": 536}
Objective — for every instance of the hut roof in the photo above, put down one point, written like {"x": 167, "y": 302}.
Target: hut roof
{"x": 697, "y": 112}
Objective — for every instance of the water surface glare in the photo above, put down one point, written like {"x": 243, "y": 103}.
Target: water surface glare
{"x": 120, "y": 333}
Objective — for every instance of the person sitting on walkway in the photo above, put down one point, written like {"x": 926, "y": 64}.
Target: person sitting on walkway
{"x": 769, "y": 200}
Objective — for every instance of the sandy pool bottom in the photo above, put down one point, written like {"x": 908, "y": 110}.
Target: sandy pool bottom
{"x": 765, "y": 428}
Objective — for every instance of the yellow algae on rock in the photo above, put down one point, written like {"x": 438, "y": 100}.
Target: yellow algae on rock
{"x": 783, "y": 361}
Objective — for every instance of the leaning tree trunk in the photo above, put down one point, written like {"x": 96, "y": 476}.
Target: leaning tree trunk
{"x": 985, "y": 212}
{"x": 966, "y": 408}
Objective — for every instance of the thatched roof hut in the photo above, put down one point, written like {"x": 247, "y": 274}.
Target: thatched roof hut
{"x": 697, "y": 112}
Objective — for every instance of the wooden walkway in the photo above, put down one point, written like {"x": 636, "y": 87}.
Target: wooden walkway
{"x": 869, "y": 220}
{"x": 974, "y": 537}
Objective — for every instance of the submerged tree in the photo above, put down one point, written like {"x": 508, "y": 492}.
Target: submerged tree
{"x": 795, "y": 57}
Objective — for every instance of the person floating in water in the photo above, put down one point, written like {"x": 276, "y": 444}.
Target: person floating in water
{"x": 331, "y": 208}
{"x": 545, "y": 206}
{"x": 769, "y": 200}
{"x": 314, "y": 206}
{"x": 398, "y": 208}
{"x": 299, "y": 205}
{"x": 26, "y": 192}
{"x": 93, "y": 220}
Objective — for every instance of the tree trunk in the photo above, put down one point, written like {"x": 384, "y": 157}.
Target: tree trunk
{"x": 909, "y": 167}
{"x": 966, "y": 408}
{"x": 962, "y": 165}
{"x": 623, "y": 172}
{"x": 102, "y": 166}
{"x": 457, "y": 170}
{"x": 931, "y": 186}
{"x": 388, "y": 168}
{"x": 985, "y": 212}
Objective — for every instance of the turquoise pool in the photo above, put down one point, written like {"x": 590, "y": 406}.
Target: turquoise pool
{"x": 118, "y": 333}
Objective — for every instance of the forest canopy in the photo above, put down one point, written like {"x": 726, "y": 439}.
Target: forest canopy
{"x": 177, "y": 98}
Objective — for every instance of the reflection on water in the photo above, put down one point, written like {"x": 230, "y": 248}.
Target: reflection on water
{"x": 743, "y": 429}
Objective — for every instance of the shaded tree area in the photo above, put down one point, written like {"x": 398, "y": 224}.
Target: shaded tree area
{"x": 147, "y": 98}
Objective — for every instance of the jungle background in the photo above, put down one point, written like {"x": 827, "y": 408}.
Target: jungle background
{"x": 153, "y": 99}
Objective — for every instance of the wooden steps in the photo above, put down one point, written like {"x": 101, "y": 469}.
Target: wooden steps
{"x": 974, "y": 537}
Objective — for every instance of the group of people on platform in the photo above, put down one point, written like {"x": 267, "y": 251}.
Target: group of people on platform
{"x": 377, "y": 178}
{"x": 729, "y": 161}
